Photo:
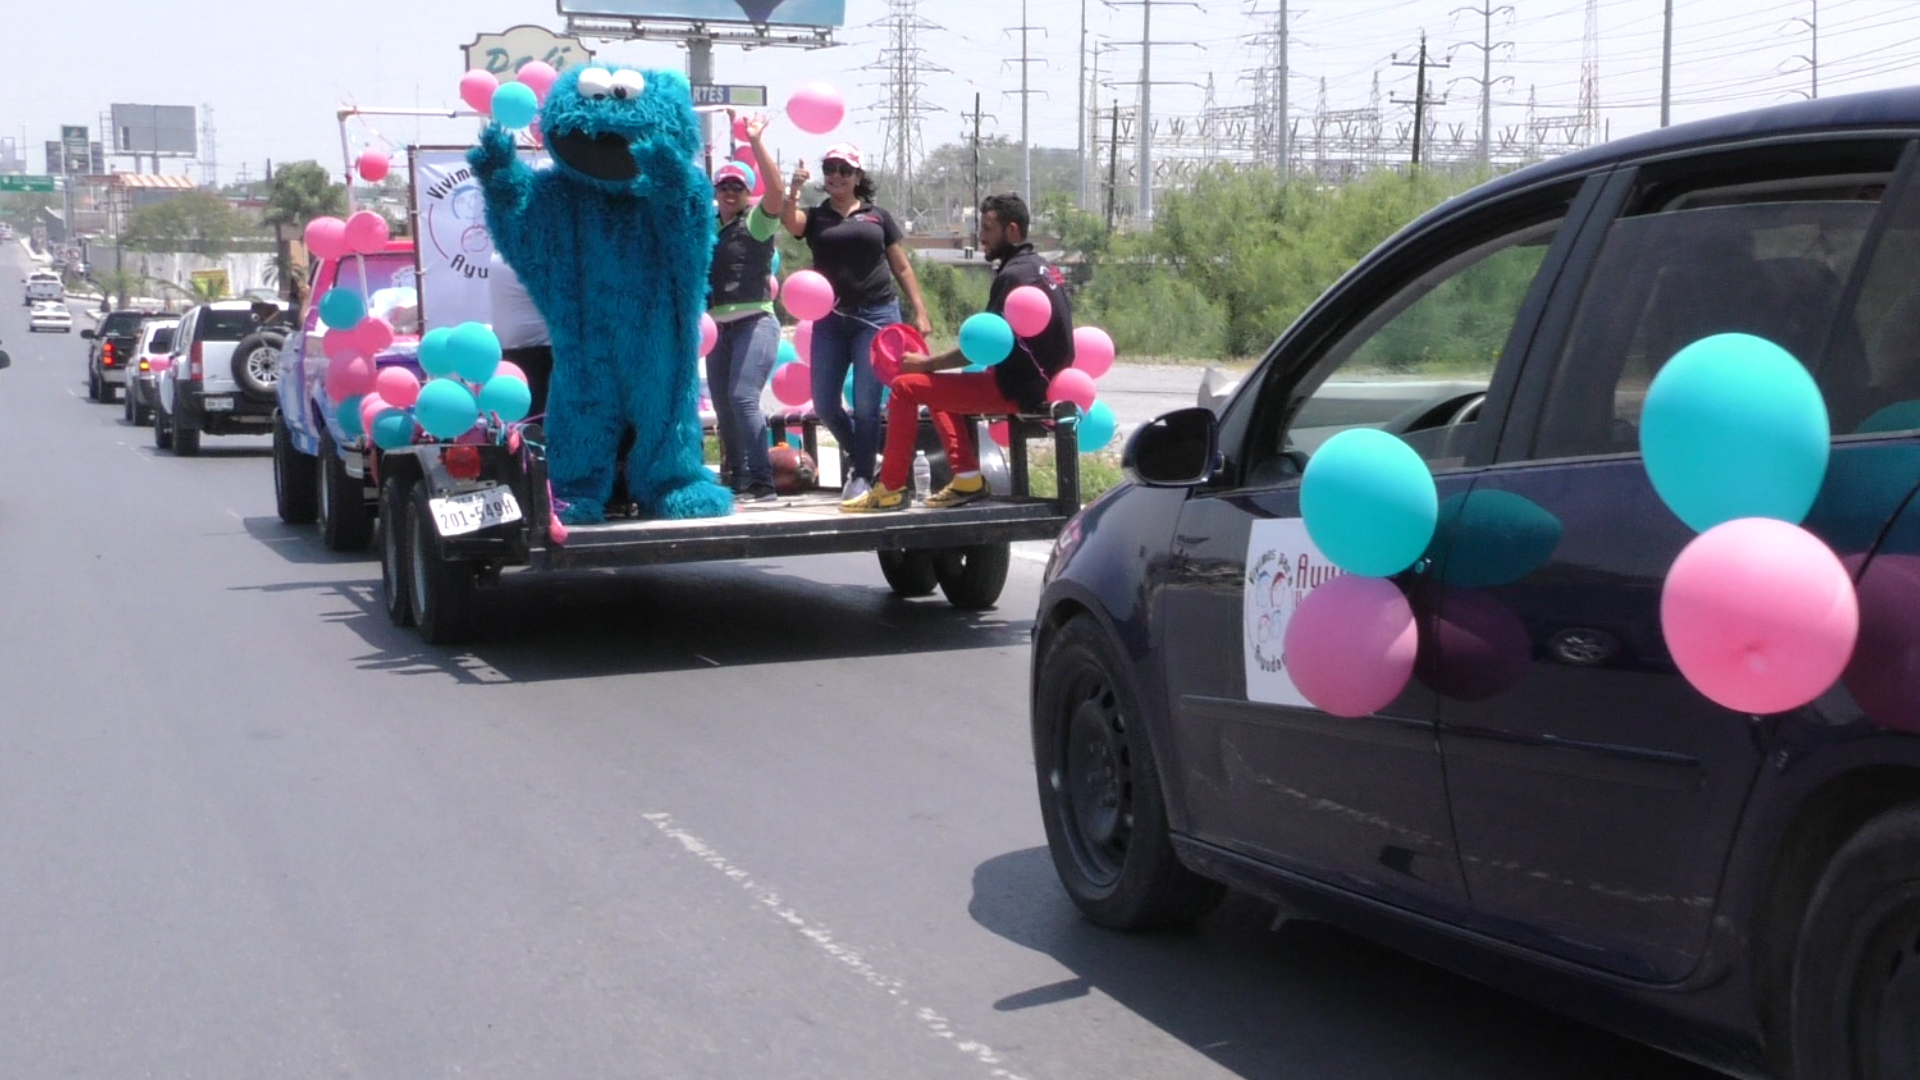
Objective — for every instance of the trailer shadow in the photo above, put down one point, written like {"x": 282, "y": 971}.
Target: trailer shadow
{"x": 1298, "y": 999}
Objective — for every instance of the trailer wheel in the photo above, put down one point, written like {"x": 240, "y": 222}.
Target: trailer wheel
{"x": 973, "y": 576}
{"x": 909, "y": 573}
{"x": 394, "y": 565}
{"x": 346, "y": 522}
{"x": 440, "y": 591}
{"x": 294, "y": 477}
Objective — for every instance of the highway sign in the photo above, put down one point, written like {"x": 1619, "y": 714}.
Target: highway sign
{"x": 741, "y": 97}
{"x": 26, "y": 183}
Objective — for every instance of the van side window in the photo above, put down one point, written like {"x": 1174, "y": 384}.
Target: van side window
{"x": 1872, "y": 379}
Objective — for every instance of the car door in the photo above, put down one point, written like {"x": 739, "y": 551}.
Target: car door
{"x": 169, "y": 380}
{"x": 1595, "y": 793}
{"x": 1423, "y": 342}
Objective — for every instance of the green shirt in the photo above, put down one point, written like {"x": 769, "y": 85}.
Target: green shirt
{"x": 760, "y": 226}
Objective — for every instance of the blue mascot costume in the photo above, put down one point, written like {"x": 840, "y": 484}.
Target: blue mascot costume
{"x": 613, "y": 245}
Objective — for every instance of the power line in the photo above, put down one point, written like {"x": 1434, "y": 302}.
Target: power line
{"x": 1025, "y": 94}
{"x": 1486, "y": 80}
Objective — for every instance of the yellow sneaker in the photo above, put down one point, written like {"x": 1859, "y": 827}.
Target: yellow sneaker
{"x": 878, "y": 499}
{"x": 959, "y": 493}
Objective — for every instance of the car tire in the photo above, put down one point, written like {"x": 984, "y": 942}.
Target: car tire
{"x": 126, "y": 409}
{"x": 186, "y": 440}
{"x": 93, "y": 386}
{"x": 441, "y": 592}
{"x": 162, "y": 429}
{"x": 909, "y": 573}
{"x": 296, "y": 480}
{"x": 972, "y": 576}
{"x": 256, "y": 364}
{"x": 1100, "y": 794}
{"x": 109, "y": 393}
{"x": 346, "y": 522}
{"x": 1856, "y": 968}
{"x": 394, "y": 565}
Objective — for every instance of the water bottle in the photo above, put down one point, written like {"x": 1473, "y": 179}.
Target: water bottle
{"x": 922, "y": 476}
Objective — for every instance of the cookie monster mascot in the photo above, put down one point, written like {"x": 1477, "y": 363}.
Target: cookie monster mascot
{"x": 613, "y": 245}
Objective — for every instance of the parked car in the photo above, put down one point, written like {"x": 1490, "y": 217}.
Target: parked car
{"x": 114, "y": 342}
{"x": 1548, "y": 806}
{"x": 50, "y": 316}
{"x": 154, "y": 346}
{"x": 43, "y": 285}
{"x": 217, "y": 380}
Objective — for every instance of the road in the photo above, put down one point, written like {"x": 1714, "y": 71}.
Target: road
{"x": 741, "y": 820}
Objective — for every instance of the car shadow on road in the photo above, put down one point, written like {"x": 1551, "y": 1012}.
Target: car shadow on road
{"x": 300, "y": 544}
{"x": 1299, "y": 1000}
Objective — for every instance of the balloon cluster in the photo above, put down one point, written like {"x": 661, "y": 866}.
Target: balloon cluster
{"x": 467, "y": 382}
{"x": 1759, "y": 614}
{"x": 512, "y": 104}
{"x": 363, "y": 233}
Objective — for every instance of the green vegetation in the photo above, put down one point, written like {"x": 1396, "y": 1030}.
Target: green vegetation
{"x": 198, "y": 221}
{"x": 1099, "y": 472}
{"x": 302, "y": 191}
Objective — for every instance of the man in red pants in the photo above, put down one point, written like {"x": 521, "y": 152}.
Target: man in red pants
{"x": 1017, "y": 383}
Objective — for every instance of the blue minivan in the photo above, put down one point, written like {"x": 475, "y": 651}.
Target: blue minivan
{"x": 1549, "y": 805}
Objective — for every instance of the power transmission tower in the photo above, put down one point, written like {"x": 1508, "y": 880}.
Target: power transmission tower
{"x": 1590, "y": 72}
{"x": 1025, "y": 94}
{"x": 1273, "y": 128}
{"x": 1486, "y": 45}
{"x": 209, "y": 152}
{"x": 1422, "y": 92}
{"x": 905, "y": 65}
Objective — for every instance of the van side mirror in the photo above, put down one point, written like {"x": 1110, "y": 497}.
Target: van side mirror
{"x": 1178, "y": 449}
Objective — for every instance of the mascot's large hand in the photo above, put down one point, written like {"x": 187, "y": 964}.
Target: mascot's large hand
{"x": 508, "y": 185}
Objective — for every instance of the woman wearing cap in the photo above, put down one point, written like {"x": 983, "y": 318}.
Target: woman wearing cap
{"x": 860, "y": 249}
{"x": 742, "y": 306}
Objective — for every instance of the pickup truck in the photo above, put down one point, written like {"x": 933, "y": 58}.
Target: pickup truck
{"x": 44, "y": 285}
{"x": 114, "y": 343}
{"x": 218, "y": 379}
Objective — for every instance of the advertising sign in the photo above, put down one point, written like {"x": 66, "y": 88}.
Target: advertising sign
{"x": 827, "y": 13}
{"x": 73, "y": 150}
{"x": 154, "y": 129}
{"x": 504, "y": 53}
{"x": 451, "y": 240}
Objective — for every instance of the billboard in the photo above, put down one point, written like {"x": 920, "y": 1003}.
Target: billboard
{"x": 154, "y": 129}
{"x": 820, "y": 13}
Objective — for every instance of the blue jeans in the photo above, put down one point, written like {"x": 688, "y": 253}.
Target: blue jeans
{"x": 843, "y": 340}
{"x": 737, "y": 371}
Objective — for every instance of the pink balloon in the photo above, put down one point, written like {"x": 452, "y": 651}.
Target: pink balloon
{"x": 476, "y": 89}
{"x": 793, "y": 384}
{"x": 1351, "y": 644}
{"x": 1092, "y": 350}
{"x": 399, "y": 386}
{"x": 341, "y": 345}
{"x": 510, "y": 370}
{"x": 374, "y": 335}
{"x": 1760, "y": 616}
{"x": 371, "y": 406}
{"x": 1000, "y": 432}
{"x": 816, "y": 108}
{"x": 327, "y": 237}
{"x": 709, "y": 333}
{"x": 366, "y": 232}
{"x": 1884, "y": 675}
{"x": 538, "y": 75}
{"x": 1028, "y": 310}
{"x": 373, "y": 166}
{"x": 803, "y": 340}
{"x": 1072, "y": 385}
{"x": 740, "y": 130}
{"x": 773, "y": 287}
{"x": 809, "y": 295}
{"x": 533, "y": 128}
{"x": 349, "y": 377}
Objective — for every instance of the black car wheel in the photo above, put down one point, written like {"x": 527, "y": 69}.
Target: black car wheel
{"x": 93, "y": 386}
{"x": 296, "y": 478}
{"x": 1100, "y": 795}
{"x": 346, "y": 521}
{"x": 1856, "y": 969}
{"x": 395, "y": 564}
{"x": 909, "y": 573}
{"x": 126, "y": 407}
{"x": 973, "y": 576}
{"x": 441, "y": 591}
{"x": 162, "y": 428}
{"x": 185, "y": 439}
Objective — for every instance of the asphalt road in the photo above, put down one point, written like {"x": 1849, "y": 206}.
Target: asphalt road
{"x": 740, "y": 820}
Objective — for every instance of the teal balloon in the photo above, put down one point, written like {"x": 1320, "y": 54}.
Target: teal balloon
{"x": 392, "y": 429}
{"x": 348, "y": 413}
{"x": 774, "y": 267}
{"x": 446, "y": 409}
{"x": 475, "y": 350}
{"x": 1493, "y": 537}
{"x": 1899, "y": 416}
{"x": 1369, "y": 502}
{"x": 436, "y": 357}
{"x": 514, "y": 105}
{"x": 787, "y": 354}
{"x": 1097, "y": 428}
{"x": 1734, "y": 427}
{"x": 846, "y": 388}
{"x": 509, "y": 397}
{"x": 986, "y": 339}
{"x": 342, "y": 309}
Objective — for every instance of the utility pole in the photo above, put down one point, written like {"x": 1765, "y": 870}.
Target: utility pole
{"x": 1421, "y": 98}
{"x": 975, "y": 116}
{"x": 1080, "y": 110}
{"x": 1813, "y": 60}
{"x": 1666, "y": 68}
{"x": 1026, "y": 95}
{"x": 1113, "y": 163}
{"x": 1143, "y": 208}
{"x": 1283, "y": 130}
{"x": 1486, "y": 45}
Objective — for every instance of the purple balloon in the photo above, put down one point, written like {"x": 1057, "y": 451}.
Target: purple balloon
{"x": 1478, "y": 649}
{"x": 1884, "y": 674}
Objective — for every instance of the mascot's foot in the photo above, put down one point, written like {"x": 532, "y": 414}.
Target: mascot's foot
{"x": 583, "y": 512}
{"x": 700, "y": 499}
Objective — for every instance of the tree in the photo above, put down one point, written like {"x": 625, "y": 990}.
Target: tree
{"x": 301, "y": 192}
{"x": 197, "y": 221}
{"x": 119, "y": 284}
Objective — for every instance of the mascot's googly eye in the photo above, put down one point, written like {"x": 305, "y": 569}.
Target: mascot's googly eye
{"x": 596, "y": 83}
{"x": 629, "y": 84}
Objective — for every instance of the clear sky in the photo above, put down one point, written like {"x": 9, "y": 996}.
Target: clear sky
{"x": 275, "y": 74}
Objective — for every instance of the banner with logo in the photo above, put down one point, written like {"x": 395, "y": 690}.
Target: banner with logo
{"x": 452, "y": 246}
{"x": 1283, "y": 566}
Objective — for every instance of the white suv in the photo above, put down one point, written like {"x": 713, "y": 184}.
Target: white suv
{"x": 218, "y": 378}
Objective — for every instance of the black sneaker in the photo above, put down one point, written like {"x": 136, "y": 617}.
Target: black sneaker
{"x": 757, "y": 493}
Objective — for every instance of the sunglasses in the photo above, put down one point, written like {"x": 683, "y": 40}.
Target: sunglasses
{"x": 837, "y": 168}
{"x": 730, "y": 185}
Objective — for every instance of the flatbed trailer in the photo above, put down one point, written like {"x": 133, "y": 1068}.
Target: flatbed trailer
{"x": 442, "y": 544}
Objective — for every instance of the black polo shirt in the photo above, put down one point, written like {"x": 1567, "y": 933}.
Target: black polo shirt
{"x": 1023, "y": 376}
{"x": 851, "y": 252}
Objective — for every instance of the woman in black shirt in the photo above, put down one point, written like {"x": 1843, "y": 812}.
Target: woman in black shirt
{"x": 860, "y": 250}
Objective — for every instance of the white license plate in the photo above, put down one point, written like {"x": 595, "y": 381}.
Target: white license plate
{"x": 218, "y": 404}
{"x": 460, "y": 514}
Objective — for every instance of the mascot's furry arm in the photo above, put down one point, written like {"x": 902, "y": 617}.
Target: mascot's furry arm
{"x": 613, "y": 244}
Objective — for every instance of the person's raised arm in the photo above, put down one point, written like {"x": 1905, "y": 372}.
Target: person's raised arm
{"x": 794, "y": 216}
{"x": 773, "y": 202}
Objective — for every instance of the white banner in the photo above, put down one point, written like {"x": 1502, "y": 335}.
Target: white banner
{"x": 454, "y": 248}
{"x": 1283, "y": 566}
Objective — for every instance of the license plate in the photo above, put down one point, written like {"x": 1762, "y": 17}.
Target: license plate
{"x": 218, "y": 404}
{"x": 457, "y": 515}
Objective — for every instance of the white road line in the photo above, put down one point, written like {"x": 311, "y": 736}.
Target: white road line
{"x": 932, "y": 1022}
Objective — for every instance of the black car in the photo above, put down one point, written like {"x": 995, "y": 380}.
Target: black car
{"x": 112, "y": 352}
{"x": 1548, "y": 805}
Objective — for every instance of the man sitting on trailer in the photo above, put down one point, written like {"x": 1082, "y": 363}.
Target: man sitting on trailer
{"x": 1016, "y": 384}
